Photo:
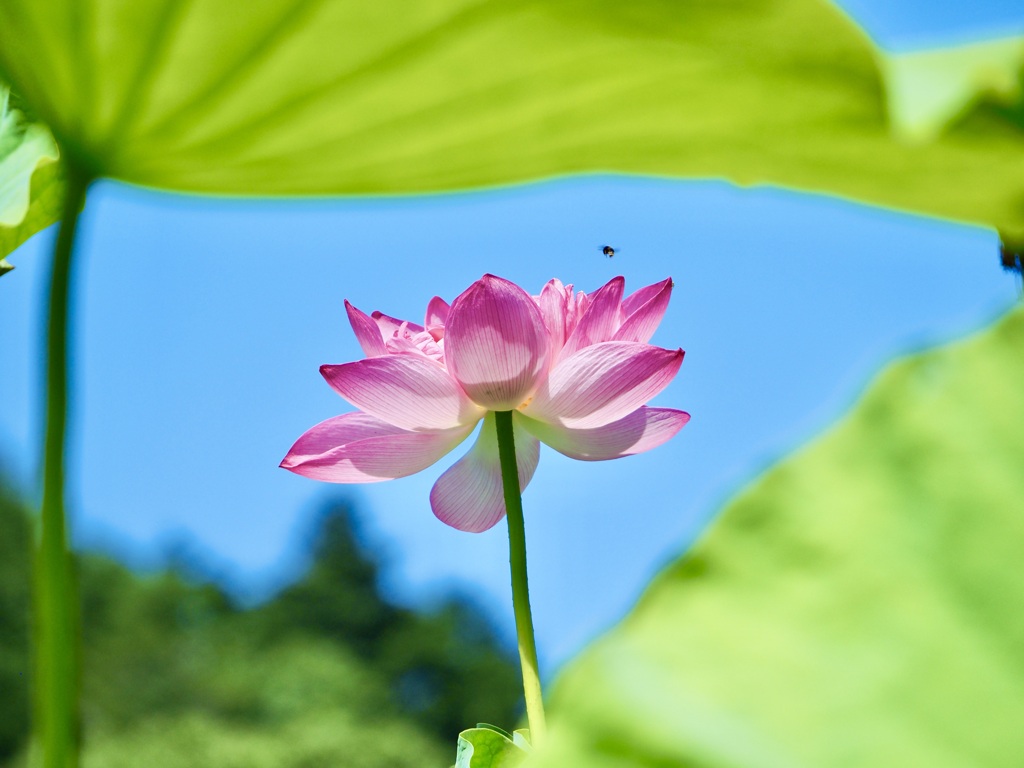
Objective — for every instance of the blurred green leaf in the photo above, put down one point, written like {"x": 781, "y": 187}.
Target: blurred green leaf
{"x": 29, "y": 191}
{"x": 488, "y": 747}
{"x": 359, "y": 98}
{"x": 928, "y": 89}
{"x": 860, "y": 604}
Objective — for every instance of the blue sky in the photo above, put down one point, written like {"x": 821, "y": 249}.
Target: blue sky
{"x": 201, "y": 325}
{"x": 900, "y": 25}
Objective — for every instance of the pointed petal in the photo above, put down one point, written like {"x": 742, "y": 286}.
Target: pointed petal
{"x": 603, "y": 383}
{"x": 602, "y": 317}
{"x": 643, "y": 429}
{"x": 436, "y": 317}
{"x": 358, "y": 448}
{"x": 469, "y": 495}
{"x": 408, "y": 391}
{"x": 553, "y": 305}
{"x": 366, "y": 330}
{"x": 641, "y": 296}
{"x": 577, "y": 309}
{"x": 643, "y": 317}
{"x": 496, "y": 345}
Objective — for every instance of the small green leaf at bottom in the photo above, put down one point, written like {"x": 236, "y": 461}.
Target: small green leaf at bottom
{"x": 488, "y": 746}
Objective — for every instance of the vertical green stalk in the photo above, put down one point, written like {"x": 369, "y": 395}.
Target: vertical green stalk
{"x": 520, "y": 586}
{"x": 56, "y": 680}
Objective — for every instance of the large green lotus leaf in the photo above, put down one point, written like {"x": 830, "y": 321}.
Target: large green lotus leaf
{"x": 319, "y": 97}
{"x": 862, "y": 604}
{"x": 29, "y": 190}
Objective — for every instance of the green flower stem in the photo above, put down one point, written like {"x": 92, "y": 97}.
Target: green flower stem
{"x": 56, "y": 643}
{"x": 520, "y": 587}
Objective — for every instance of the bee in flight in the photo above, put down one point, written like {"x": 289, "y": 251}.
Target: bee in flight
{"x": 608, "y": 251}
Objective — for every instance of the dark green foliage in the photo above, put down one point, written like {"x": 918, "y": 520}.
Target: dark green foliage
{"x": 15, "y": 585}
{"x": 337, "y": 598}
{"x": 158, "y": 637}
{"x": 326, "y": 673}
{"x": 442, "y": 667}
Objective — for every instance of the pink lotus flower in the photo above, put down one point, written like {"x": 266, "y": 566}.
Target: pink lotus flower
{"x": 575, "y": 369}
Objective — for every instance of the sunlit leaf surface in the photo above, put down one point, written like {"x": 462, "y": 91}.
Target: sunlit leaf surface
{"x": 317, "y": 97}
{"x": 929, "y": 89}
{"x": 488, "y": 747}
{"x": 28, "y": 201}
{"x": 861, "y": 604}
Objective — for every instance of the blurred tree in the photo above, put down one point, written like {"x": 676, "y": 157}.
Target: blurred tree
{"x": 154, "y": 636}
{"x": 337, "y": 597}
{"x": 15, "y": 586}
{"x": 444, "y": 667}
{"x": 325, "y": 673}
